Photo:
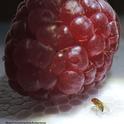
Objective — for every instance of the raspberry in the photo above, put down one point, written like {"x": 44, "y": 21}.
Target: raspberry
{"x": 60, "y": 46}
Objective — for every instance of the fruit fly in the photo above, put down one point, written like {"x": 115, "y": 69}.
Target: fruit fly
{"x": 98, "y": 104}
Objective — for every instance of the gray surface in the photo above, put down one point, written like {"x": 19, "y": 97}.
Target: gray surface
{"x": 3, "y": 30}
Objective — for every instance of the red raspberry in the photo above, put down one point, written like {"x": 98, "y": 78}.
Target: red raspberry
{"x": 60, "y": 46}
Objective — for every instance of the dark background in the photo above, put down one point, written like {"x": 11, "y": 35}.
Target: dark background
{"x": 8, "y": 8}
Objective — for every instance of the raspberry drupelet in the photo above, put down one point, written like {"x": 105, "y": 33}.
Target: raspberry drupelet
{"x": 60, "y": 46}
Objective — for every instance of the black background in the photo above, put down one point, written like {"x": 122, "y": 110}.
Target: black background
{"x": 8, "y": 8}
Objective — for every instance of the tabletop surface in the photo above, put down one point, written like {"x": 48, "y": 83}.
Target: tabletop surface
{"x": 16, "y": 107}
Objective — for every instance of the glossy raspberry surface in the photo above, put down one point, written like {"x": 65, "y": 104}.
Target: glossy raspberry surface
{"x": 60, "y": 46}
